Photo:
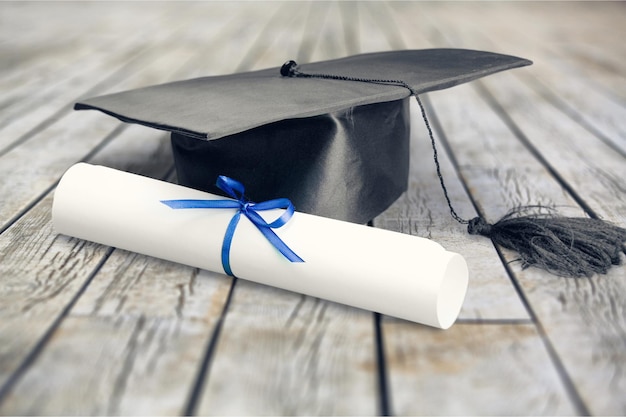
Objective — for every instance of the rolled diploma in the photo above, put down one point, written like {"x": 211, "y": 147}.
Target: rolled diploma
{"x": 374, "y": 269}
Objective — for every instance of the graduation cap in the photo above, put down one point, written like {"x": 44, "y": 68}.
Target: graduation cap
{"x": 332, "y": 136}
{"x": 335, "y": 149}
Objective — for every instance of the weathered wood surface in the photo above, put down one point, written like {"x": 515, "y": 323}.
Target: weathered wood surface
{"x": 86, "y": 329}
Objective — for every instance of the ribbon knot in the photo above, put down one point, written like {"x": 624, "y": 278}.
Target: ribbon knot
{"x": 250, "y": 210}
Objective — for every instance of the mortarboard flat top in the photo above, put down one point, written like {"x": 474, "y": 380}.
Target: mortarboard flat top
{"x": 335, "y": 148}
{"x": 214, "y": 107}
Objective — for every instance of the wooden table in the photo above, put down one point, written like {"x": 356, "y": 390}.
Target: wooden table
{"x": 88, "y": 329}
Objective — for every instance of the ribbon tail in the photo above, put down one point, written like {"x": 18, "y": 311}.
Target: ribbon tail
{"x": 200, "y": 204}
{"x": 279, "y": 244}
{"x": 228, "y": 239}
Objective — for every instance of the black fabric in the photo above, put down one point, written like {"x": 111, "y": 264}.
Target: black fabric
{"x": 214, "y": 107}
{"x": 348, "y": 165}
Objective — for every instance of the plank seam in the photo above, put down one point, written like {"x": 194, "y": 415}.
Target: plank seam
{"x": 196, "y": 392}
{"x": 384, "y": 402}
{"x": 494, "y": 322}
{"x": 567, "y": 381}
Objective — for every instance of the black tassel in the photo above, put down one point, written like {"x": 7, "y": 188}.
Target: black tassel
{"x": 565, "y": 246}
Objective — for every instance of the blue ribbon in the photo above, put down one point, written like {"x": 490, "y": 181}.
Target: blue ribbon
{"x": 235, "y": 189}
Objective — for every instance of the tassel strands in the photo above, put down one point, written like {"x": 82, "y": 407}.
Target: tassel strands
{"x": 565, "y": 246}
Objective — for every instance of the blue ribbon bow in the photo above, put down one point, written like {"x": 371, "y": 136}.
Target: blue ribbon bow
{"x": 235, "y": 189}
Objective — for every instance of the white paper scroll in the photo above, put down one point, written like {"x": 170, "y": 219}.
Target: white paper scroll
{"x": 391, "y": 273}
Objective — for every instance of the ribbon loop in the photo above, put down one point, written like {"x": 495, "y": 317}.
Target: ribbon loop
{"x": 235, "y": 189}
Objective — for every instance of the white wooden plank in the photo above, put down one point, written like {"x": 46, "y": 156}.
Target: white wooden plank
{"x": 55, "y": 272}
{"x": 596, "y": 171}
{"x": 582, "y": 156}
{"x": 596, "y": 319}
{"x": 302, "y": 356}
{"x": 139, "y": 334}
{"x": 593, "y": 50}
{"x": 115, "y": 47}
{"x": 323, "y": 22}
{"x": 327, "y": 349}
{"x": 472, "y": 369}
{"x": 379, "y": 28}
{"x": 40, "y": 275}
{"x": 597, "y": 174}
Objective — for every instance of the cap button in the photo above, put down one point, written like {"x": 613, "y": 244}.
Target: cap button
{"x": 287, "y": 69}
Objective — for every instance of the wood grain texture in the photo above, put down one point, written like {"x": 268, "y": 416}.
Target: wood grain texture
{"x": 57, "y": 269}
{"x": 138, "y": 333}
{"x": 282, "y": 353}
{"x": 90, "y": 330}
{"x": 465, "y": 371}
{"x": 42, "y": 272}
{"x": 595, "y": 172}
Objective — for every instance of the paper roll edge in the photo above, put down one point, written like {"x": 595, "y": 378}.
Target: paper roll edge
{"x": 452, "y": 290}
{"x": 59, "y": 224}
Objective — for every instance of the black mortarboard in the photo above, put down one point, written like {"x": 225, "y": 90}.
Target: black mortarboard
{"x": 336, "y": 149}
{"x": 333, "y": 137}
